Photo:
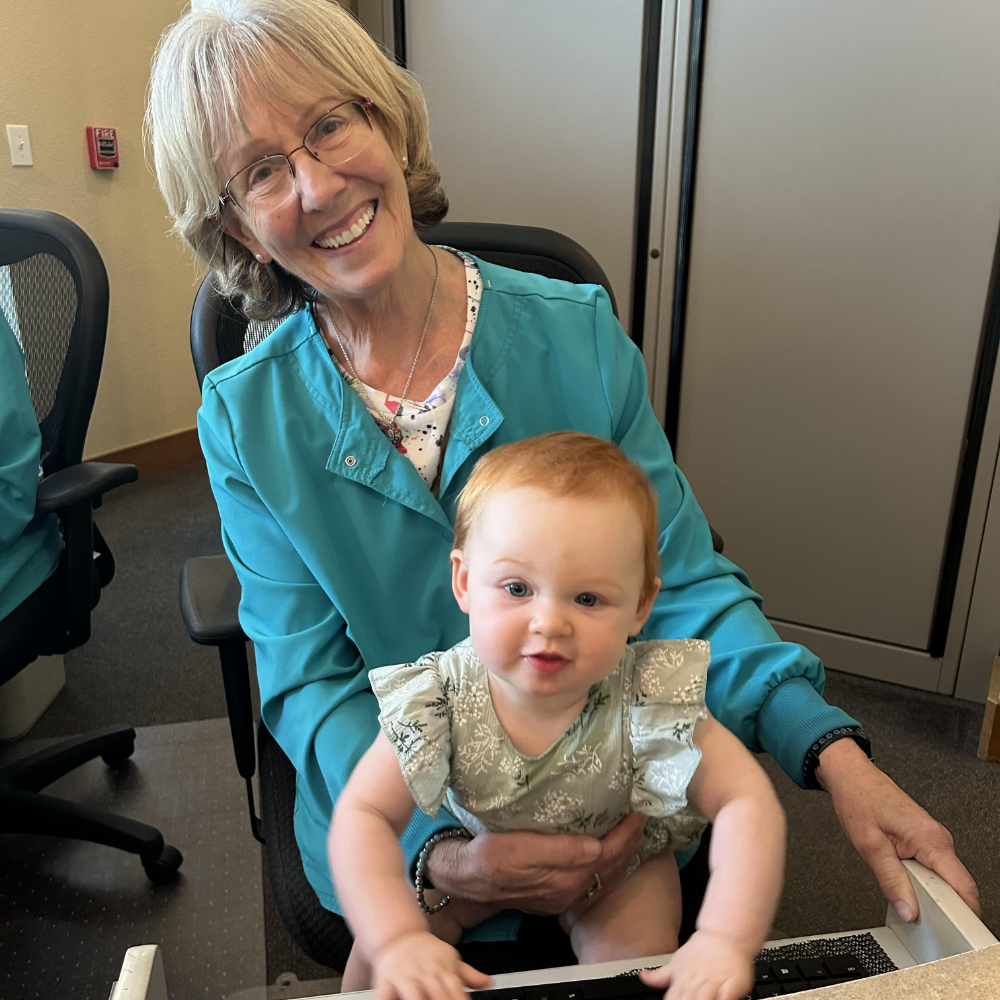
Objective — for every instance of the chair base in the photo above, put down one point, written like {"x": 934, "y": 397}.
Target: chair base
{"x": 26, "y": 695}
{"x": 23, "y": 809}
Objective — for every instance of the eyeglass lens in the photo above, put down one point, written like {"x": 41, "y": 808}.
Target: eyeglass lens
{"x": 337, "y": 137}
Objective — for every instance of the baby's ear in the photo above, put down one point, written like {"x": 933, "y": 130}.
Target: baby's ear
{"x": 460, "y": 579}
{"x": 645, "y": 607}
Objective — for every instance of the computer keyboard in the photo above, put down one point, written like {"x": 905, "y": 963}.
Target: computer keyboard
{"x": 776, "y": 979}
{"x": 773, "y": 979}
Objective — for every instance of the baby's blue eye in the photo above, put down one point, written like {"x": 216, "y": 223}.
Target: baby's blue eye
{"x": 517, "y": 589}
{"x": 588, "y": 600}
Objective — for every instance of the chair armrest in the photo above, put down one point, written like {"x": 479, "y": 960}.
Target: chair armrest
{"x": 210, "y": 600}
{"x": 717, "y": 541}
{"x": 77, "y": 483}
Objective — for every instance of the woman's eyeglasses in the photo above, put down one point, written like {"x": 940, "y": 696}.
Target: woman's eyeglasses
{"x": 342, "y": 133}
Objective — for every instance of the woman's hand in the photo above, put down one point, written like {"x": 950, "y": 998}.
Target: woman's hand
{"x": 535, "y": 872}
{"x": 707, "y": 967}
{"x": 884, "y": 824}
{"x": 419, "y": 966}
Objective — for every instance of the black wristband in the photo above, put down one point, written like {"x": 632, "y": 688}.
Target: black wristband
{"x": 811, "y": 761}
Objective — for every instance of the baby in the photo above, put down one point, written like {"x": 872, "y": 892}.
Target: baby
{"x": 546, "y": 718}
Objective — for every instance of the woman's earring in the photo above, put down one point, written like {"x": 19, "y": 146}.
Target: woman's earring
{"x": 258, "y": 256}
{"x": 406, "y": 162}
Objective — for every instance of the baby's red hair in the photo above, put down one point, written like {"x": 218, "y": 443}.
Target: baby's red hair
{"x": 565, "y": 464}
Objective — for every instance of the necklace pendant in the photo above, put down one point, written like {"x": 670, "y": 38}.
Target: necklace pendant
{"x": 392, "y": 432}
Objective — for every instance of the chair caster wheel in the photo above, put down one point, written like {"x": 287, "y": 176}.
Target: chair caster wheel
{"x": 115, "y": 758}
{"x": 164, "y": 868}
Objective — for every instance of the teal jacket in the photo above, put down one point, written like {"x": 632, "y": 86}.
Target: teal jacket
{"x": 342, "y": 551}
{"x": 29, "y": 543}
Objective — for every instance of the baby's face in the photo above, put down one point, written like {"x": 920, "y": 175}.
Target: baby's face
{"x": 552, "y": 588}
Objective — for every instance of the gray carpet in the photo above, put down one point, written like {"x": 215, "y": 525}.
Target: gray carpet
{"x": 69, "y": 910}
{"x": 140, "y": 667}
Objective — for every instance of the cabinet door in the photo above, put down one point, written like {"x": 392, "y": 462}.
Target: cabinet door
{"x": 846, "y": 208}
{"x": 534, "y": 116}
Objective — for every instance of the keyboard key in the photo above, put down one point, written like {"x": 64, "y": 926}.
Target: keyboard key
{"x": 842, "y": 966}
{"x": 812, "y": 969}
{"x": 763, "y": 976}
{"x": 795, "y": 986}
{"x": 567, "y": 991}
{"x": 785, "y": 973}
{"x": 768, "y": 990}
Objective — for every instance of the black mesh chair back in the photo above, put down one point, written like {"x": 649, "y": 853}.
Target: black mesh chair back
{"x": 54, "y": 294}
{"x": 220, "y": 332}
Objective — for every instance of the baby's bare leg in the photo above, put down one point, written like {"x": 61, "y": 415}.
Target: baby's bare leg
{"x": 447, "y": 924}
{"x": 640, "y": 917}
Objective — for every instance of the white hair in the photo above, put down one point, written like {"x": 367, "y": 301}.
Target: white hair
{"x": 229, "y": 54}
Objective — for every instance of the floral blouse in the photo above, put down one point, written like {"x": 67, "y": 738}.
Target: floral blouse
{"x": 630, "y": 748}
{"x": 418, "y": 429}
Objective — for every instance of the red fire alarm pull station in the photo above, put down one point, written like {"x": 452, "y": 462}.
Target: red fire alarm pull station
{"x": 102, "y": 144}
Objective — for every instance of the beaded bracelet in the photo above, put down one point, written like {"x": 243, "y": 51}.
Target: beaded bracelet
{"x": 811, "y": 761}
{"x": 420, "y": 874}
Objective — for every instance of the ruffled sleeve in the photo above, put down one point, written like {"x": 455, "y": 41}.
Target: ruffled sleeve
{"x": 667, "y": 699}
{"x": 415, "y": 715}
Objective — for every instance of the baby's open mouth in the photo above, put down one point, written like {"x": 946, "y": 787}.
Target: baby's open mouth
{"x": 351, "y": 233}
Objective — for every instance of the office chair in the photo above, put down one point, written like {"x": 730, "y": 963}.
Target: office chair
{"x": 54, "y": 293}
{"x": 210, "y": 595}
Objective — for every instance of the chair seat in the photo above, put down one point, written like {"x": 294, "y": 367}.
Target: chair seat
{"x": 210, "y": 600}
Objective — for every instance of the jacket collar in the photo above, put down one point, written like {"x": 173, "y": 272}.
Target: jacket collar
{"x": 363, "y": 454}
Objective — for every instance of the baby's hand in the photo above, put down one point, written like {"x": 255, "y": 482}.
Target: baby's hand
{"x": 419, "y": 966}
{"x": 708, "y": 967}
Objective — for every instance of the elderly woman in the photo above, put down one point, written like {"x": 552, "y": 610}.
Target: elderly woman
{"x": 294, "y": 159}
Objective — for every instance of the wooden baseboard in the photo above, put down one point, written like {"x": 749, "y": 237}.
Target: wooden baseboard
{"x": 159, "y": 455}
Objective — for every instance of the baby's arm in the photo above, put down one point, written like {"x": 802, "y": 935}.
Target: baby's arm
{"x": 370, "y": 875}
{"x": 746, "y": 859}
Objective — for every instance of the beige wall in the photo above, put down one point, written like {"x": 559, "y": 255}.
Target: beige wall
{"x": 66, "y": 64}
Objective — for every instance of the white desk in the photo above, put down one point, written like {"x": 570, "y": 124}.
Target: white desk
{"x": 946, "y": 927}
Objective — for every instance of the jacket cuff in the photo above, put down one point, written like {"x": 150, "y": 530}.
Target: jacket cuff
{"x": 792, "y": 718}
{"x": 420, "y": 829}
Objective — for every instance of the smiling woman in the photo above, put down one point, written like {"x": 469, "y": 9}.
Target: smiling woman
{"x": 294, "y": 159}
{"x": 228, "y": 60}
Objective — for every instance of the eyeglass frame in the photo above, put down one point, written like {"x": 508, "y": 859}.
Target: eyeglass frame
{"x": 365, "y": 104}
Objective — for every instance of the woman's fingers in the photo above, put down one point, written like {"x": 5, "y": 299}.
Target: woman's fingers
{"x": 539, "y": 873}
{"x": 626, "y": 839}
{"x": 618, "y": 847}
{"x": 561, "y": 851}
{"x": 880, "y": 855}
{"x": 943, "y": 860}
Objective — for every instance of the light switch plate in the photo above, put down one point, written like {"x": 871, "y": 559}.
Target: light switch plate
{"x": 20, "y": 145}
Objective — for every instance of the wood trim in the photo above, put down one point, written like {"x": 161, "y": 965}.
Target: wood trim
{"x": 162, "y": 454}
{"x": 989, "y": 738}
